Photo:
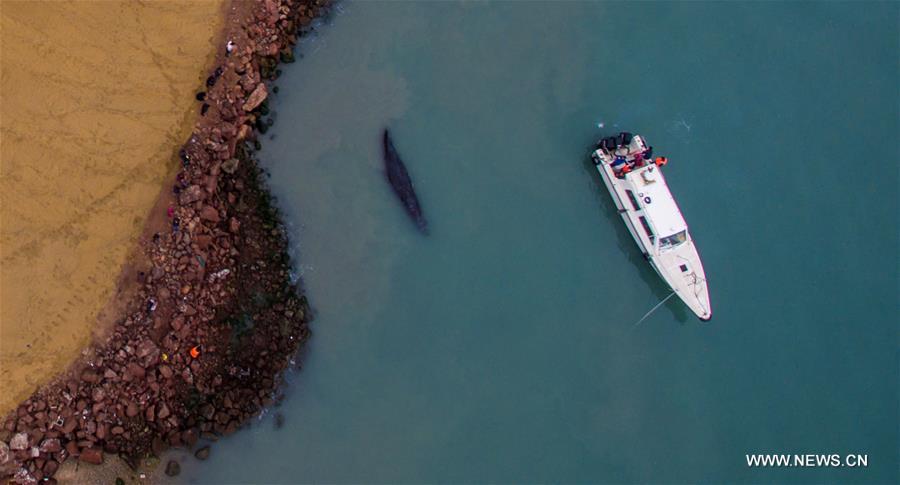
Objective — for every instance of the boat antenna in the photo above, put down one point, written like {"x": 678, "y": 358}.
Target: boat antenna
{"x": 652, "y": 310}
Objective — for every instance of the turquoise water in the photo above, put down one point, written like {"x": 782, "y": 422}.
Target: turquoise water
{"x": 501, "y": 348}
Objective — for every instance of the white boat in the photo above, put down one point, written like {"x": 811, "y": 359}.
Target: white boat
{"x": 636, "y": 183}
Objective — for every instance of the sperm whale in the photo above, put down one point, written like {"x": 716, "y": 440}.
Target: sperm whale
{"x": 399, "y": 179}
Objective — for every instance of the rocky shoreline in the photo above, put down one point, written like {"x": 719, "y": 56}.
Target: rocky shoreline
{"x": 214, "y": 317}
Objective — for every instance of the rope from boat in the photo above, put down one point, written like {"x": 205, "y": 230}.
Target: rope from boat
{"x": 696, "y": 285}
{"x": 653, "y": 310}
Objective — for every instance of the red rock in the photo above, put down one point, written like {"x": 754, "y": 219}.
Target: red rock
{"x": 117, "y": 430}
{"x": 166, "y": 371}
{"x": 207, "y": 411}
{"x": 51, "y": 446}
{"x": 256, "y": 97}
{"x": 209, "y": 213}
{"x": 90, "y": 377}
{"x": 135, "y": 371}
{"x": 50, "y": 468}
{"x": 157, "y": 446}
{"x": 190, "y": 437}
{"x": 131, "y": 410}
{"x": 91, "y": 455}
{"x": 70, "y": 425}
{"x": 72, "y": 448}
{"x": 147, "y": 351}
{"x": 163, "y": 411}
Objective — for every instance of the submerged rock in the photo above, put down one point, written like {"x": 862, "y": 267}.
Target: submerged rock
{"x": 173, "y": 468}
{"x": 202, "y": 453}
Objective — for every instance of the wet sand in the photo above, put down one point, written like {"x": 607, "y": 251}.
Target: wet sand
{"x": 96, "y": 98}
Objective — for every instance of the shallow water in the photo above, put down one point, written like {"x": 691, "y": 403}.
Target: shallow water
{"x": 501, "y": 348}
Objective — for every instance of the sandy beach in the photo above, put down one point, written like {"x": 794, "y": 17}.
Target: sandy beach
{"x": 192, "y": 310}
{"x": 96, "y": 99}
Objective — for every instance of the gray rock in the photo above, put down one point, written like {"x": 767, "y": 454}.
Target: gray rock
{"x": 191, "y": 194}
{"x": 230, "y": 165}
{"x": 51, "y": 445}
{"x": 256, "y": 97}
{"x": 19, "y": 442}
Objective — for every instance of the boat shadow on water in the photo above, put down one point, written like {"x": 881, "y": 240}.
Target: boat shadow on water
{"x": 629, "y": 248}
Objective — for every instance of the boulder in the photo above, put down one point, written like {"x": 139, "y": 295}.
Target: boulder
{"x": 166, "y": 371}
{"x": 91, "y": 455}
{"x": 256, "y": 97}
{"x": 51, "y": 445}
{"x": 147, "y": 351}
{"x": 173, "y": 468}
{"x": 135, "y": 371}
{"x": 202, "y": 453}
{"x": 163, "y": 411}
{"x": 209, "y": 213}
{"x": 90, "y": 377}
{"x": 50, "y": 468}
{"x": 19, "y": 442}
{"x": 230, "y": 166}
{"x": 190, "y": 195}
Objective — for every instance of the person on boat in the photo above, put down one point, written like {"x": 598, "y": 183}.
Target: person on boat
{"x": 618, "y": 163}
{"x": 648, "y": 153}
{"x": 638, "y": 160}
{"x": 608, "y": 144}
